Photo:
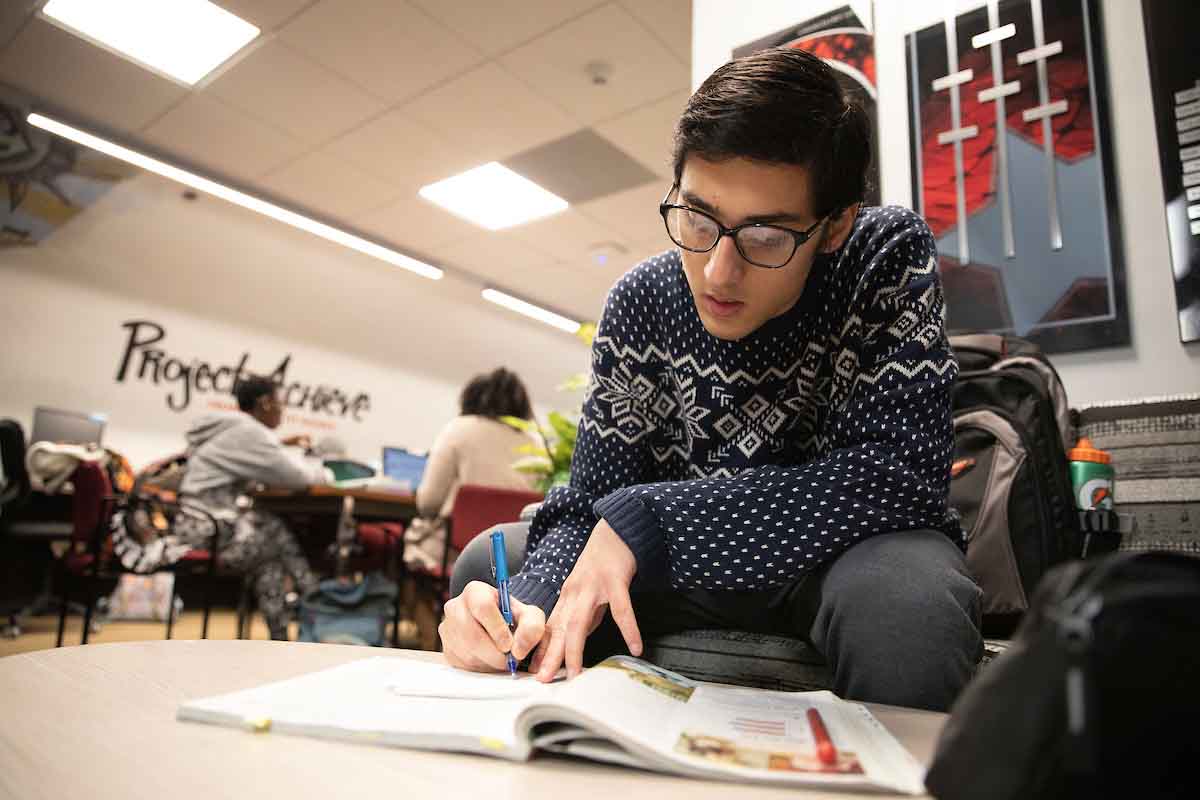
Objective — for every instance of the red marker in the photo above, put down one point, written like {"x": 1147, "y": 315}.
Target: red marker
{"x": 826, "y": 752}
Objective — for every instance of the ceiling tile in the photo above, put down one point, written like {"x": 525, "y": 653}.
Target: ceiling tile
{"x": 415, "y": 223}
{"x": 402, "y": 150}
{"x": 491, "y": 113}
{"x": 266, "y": 15}
{"x": 292, "y": 93}
{"x": 579, "y": 167}
{"x": 392, "y": 49}
{"x": 499, "y": 259}
{"x": 669, "y": 20}
{"x": 642, "y": 68}
{"x": 210, "y": 134}
{"x": 13, "y": 15}
{"x": 646, "y": 132}
{"x": 574, "y": 291}
{"x": 632, "y": 214}
{"x": 329, "y": 186}
{"x": 87, "y": 81}
{"x": 568, "y": 236}
{"x": 498, "y": 25}
{"x": 640, "y": 251}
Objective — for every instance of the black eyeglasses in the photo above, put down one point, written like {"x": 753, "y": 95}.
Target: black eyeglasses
{"x": 761, "y": 244}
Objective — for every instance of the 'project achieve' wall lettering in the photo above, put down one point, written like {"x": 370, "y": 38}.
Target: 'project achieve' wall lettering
{"x": 155, "y": 365}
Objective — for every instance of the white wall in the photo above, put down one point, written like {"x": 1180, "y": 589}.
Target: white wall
{"x": 1155, "y": 363}
{"x": 223, "y": 281}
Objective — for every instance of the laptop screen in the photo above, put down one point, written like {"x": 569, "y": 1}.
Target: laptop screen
{"x": 403, "y": 466}
{"x": 68, "y": 427}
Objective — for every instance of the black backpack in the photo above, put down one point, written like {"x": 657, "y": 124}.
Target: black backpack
{"x": 1010, "y": 480}
{"x": 1096, "y": 697}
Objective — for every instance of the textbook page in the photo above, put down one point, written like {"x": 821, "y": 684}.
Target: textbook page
{"x": 391, "y": 701}
{"x": 668, "y": 722}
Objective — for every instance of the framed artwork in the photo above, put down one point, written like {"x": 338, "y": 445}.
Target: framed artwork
{"x": 1012, "y": 168}
{"x": 45, "y": 181}
{"x": 842, "y": 40}
{"x": 1171, "y": 27}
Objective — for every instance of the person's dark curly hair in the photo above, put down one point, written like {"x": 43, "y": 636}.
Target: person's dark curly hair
{"x": 498, "y": 393}
{"x": 248, "y": 389}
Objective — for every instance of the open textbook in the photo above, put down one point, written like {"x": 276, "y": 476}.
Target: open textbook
{"x": 623, "y": 711}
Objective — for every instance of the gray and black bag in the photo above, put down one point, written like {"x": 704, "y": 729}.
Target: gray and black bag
{"x": 1096, "y": 697}
{"x": 1010, "y": 480}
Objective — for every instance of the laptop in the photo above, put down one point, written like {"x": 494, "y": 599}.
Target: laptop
{"x": 66, "y": 427}
{"x": 403, "y": 467}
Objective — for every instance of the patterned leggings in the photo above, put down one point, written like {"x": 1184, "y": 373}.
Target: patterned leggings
{"x": 263, "y": 548}
{"x": 259, "y": 545}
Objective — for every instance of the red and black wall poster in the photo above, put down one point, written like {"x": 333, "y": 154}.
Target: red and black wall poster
{"x": 1172, "y": 28}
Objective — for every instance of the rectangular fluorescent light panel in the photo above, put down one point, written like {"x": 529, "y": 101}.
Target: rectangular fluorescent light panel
{"x": 183, "y": 39}
{"x": 530, "y": 310}
{"x": 494, "y": 197}
{"x": 327, "y": 232}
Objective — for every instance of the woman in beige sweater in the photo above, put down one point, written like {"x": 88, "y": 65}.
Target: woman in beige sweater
{"x": 474, "y": 448}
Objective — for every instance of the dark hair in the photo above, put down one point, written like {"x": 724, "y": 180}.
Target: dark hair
{"x": 248, "y": 389}
{"x": 781, "y": 106}
{"x": 498, "y": 393}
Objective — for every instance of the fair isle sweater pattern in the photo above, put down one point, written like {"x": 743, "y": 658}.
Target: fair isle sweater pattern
{"x": 743, "y": 465}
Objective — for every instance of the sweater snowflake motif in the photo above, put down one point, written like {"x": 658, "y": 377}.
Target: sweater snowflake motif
{"x": 741, "y": 465}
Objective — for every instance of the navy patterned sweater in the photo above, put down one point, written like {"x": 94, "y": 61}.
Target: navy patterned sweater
{"x": 743, "y": 464}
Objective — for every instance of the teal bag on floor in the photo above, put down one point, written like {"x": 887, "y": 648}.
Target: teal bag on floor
{"x": 340, "y": 612}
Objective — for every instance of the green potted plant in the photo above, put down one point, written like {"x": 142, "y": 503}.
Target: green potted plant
{"x": 550, "y": 460}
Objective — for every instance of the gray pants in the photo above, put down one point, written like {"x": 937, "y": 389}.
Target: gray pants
{"x": 896, "y": 616}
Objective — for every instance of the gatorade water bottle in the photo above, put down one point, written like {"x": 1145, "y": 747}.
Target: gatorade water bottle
{"x": 1091, "y": 476}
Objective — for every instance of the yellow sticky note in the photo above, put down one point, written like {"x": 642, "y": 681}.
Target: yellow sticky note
{"x": 259, "y": 724}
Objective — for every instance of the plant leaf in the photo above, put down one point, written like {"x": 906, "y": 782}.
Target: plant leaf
{"x": 566, "y": 429}
{"x": 525, "y": 425}
{"x": 532, "y": 450}
{"x": 587, "y": 332}
{"x": 575, "y": 383}
{"x": 534, "y": 465}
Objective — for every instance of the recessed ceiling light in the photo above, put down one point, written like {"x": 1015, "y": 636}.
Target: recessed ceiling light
{"x": 494, "y": 197}
{"x": 242, "y": 199}
{"x": 530, "y": 310}
{"x": 182, "y": 39}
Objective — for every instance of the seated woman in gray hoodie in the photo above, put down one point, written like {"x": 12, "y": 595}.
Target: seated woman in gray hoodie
{"x": 227, "y": 454}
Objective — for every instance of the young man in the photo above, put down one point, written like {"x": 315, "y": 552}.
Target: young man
{"x": 766, "y": 440}
{"x": 227, "y": 453}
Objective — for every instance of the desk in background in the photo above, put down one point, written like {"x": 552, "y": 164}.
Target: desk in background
{"x": 99, "y": 721}
{"x": 327, "y": 500}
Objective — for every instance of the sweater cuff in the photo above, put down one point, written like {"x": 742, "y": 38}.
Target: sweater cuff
{"x": 638, "y": 528}
{"x": 534, "y": 592}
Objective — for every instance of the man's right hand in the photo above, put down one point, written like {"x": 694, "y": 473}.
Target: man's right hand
{"x": 475, "y": 635}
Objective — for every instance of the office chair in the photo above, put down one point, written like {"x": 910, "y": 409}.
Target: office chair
{"x": 475, "y": 509}
{"x": 14, "y": 492}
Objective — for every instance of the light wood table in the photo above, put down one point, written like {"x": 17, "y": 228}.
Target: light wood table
{"x": 99, "y": 721}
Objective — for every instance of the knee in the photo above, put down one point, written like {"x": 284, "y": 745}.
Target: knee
{"x": 475, "y": 561}
{"x": 899, "y": 620}
{"x": 914, "y": 580}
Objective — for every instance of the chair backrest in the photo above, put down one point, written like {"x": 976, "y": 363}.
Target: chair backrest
{"x": 478, "y": 507}
{"x": 15, "y": 489}
{"x": 91, "y": 505}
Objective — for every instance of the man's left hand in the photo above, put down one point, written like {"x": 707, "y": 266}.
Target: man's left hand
{"x": 299, "y": 440}
{"x": 599, "y": 581}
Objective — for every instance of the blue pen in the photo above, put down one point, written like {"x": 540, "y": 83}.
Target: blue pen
{"x": 500, "y": 574}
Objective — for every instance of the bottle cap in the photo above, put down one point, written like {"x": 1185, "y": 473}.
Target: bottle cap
{"x": 1084, "y": 451}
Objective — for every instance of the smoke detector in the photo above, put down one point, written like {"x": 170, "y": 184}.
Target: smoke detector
{"x": 598, "y": 72}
